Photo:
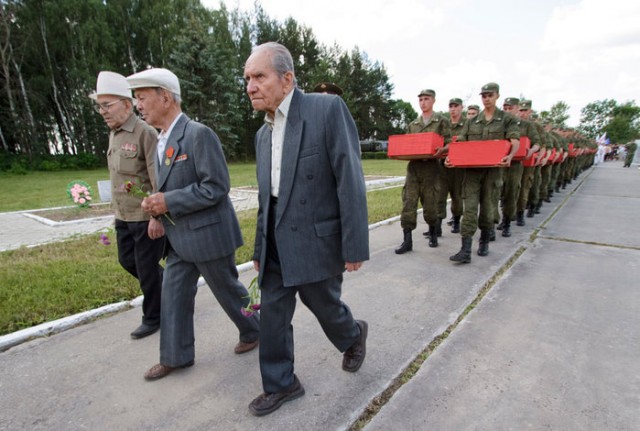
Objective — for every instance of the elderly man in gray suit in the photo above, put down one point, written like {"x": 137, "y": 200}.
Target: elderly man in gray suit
{"x": 199, "y": 221}
{"x": 312, "y": 219}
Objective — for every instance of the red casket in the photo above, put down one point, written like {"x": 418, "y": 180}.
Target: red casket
{"x": 523, "y": 149}
{"x": 414, "y": 145}
{"x": 478, "y": 154}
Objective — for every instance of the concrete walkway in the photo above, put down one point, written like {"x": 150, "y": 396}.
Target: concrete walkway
{"x": 554, "y": 344}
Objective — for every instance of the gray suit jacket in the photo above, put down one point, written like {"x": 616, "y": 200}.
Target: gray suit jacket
{"x": 321, "y": 221}
{"x": 195, "y": 183}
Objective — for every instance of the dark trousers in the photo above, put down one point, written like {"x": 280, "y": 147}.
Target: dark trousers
{"x": 277, "y": 306}
{"x": 177, "y": 337}
{"x": 140, "y": 256}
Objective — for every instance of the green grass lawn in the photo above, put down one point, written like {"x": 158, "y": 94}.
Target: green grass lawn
{"x": 49, "y": 189}
{"x": 81, "y": 273}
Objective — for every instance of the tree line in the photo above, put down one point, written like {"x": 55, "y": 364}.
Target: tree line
{"x": 52, "y": 50}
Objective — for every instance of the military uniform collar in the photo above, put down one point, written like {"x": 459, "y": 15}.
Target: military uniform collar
{"x": 128, "y": 125}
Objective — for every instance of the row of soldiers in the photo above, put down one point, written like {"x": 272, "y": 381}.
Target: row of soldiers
{"x": 478, "y": 194}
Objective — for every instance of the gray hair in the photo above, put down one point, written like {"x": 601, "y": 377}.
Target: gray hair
{"x": 176, "y": 97}
{"x": 281, "y": 59}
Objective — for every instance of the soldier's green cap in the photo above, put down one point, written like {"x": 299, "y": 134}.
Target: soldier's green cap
{"x": 476, "y": 107}
{"x": 455, "y": 101}
{"x": 491, "y": 87}
{"x": 511, "y": 101}
{"x": 327, "y": 87}
{"x": 525, "y": 104}
{"x": 427, "y": 92}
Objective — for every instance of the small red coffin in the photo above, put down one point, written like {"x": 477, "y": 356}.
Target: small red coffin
{"x": 523, "y": 149}
{"x": 573, "y": 152}
{"x": 478, "y": 154}
{"x": 414, "y": 146}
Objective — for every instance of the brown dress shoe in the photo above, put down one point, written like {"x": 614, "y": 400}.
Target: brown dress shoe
{"x": 159, "y": 371}
{"x": 243, "y": 347}
{"x": 354, "y": 356}
{"x": 268, "y": 403}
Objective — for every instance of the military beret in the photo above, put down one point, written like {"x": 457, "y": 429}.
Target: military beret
{"x": 511, "y": 101}
{"x": 525, "y": 104}
{"x": 327, "y": 87}
{"x": 427, "y": 92}
{"x": 456, "y": 101}
{"x": 153, "y": 78}
{"x": 476, "y": 107}
{"x": 491, "y": 87}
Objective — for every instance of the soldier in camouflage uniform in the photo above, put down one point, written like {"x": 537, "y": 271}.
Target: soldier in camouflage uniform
{"x": 512, "y": 176}
{"x": 423, "y": 176}
{"x": 472, "y": 111}
{"x": 482, "y": 186}
{"x": 528, "y": 129}
{"x": 631, "y": 151}
{"x": 451, "y": 179}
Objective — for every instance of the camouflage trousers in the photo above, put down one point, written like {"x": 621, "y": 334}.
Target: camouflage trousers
{"x": 480, "y": 193}
{"x": 528, "y": 172}
{"x": 512, "y": 177}
{"x": 545, "y": 173}
{"x": 534, "y": 193}
{"x": 450, "y": 184}
{"x": 422, "y": 183}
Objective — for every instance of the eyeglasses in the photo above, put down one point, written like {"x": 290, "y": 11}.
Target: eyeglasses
{"x": 105, "y": 106}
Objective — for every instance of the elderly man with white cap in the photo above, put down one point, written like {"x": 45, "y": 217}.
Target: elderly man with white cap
{"x": 131, "y": 157}
{"x": 202, "y": 230}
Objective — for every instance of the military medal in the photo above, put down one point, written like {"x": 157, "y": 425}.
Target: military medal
{"x": 167, "y": 162}
{"x": 169, "y": 154}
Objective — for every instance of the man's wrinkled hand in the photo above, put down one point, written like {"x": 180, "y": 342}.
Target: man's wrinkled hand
{"x": 155, "y": 229}
{"x": 155, "y": 205}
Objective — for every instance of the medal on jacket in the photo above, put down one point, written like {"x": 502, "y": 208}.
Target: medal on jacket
{"x": 169, "y": 154}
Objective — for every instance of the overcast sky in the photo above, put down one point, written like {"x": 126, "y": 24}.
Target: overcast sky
{"x": 578, "y": 51}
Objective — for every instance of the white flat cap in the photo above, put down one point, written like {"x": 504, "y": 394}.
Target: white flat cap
{"x": 152, "y": 78}
{"x": 111, "y": 83}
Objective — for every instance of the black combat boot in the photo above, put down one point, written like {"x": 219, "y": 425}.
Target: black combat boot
{"x": 499, "y": 226}
{"x": 538, "y": 206}
{"x": 564, "y": 184}
{"x": 483, "y": 247}
{"x": 407, "y": 243}
{"x": 558, "y": 187}
{"x": 520, "y": 218}
{"x": 455, "y": 226}
{"x": 506, "y": 227}
{"x": 438, "y": 227}
{"x": 464, "y": 255}
{"x": 530, "y": 210}
{"x": 433, "y": 235}
{"x": 492, "y": 234}
{"x": 450, "y": 221}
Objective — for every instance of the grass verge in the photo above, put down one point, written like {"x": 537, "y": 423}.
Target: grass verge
{"x": 51, "y": 281}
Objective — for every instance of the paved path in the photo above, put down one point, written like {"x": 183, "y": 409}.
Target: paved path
{"x": 554, "y": 344}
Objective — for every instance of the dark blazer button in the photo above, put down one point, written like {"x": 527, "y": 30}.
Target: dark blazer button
{"x": 309, "y": 177}
{"x": 303, "y": 201}
{"x": 294, "y": 228}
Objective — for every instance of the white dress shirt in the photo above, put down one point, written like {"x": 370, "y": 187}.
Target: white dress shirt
{"x": 278, "y": 126}
{"x": 163, "y": 137}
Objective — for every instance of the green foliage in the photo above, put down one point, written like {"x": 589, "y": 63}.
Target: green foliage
{"x": 621, "y": 122}
{"x": 55, "y": 49}
{"x": 557, "y": 116}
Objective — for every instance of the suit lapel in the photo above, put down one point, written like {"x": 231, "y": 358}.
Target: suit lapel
{"x": 290, "y": 151}
{"x": 171, "y": 150}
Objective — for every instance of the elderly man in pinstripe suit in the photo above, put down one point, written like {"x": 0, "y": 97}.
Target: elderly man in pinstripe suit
{"x": 199, "y": 221}
{"x": 312, "y": 219}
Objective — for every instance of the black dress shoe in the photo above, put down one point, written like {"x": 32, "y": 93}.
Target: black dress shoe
{"x": 144, "y": 330}
{"x": 268, "y": 403}
{"x": 354, "y": 356}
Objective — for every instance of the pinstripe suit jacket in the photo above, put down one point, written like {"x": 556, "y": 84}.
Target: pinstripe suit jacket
{"x": 321, "y": 219}
{"x": 194, "y": 178}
